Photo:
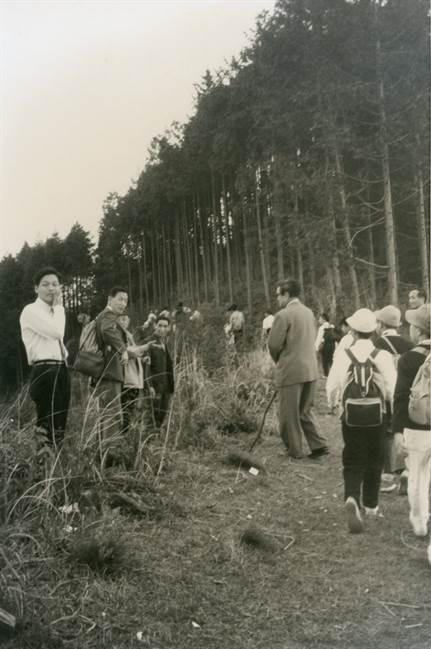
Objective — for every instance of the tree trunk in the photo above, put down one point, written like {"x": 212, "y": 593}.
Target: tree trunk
{"x": 147, "y": 296}
{"x": 422, "y": 231}
{"x": 227, "y": 239}
{"x": 178, "y": 261}
{"x": 277, "y": 207}
{"x": 391, "y": 256}
{"x": 203, "y": 251}
{"x": 244, "y": 216}
{"x": 215, "y": 242}
{"x": 260, "y": 242}
{"x": 346, "y": 228}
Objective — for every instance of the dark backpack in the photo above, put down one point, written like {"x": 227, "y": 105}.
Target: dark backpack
{"x": 363, "y": 402}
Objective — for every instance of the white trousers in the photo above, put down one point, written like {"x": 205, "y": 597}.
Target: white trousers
{"x": 418, "y": 447}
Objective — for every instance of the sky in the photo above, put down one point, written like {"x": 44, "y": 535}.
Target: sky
{"x": 84, "y": 88}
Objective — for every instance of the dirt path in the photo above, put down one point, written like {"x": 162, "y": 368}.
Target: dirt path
{"x": 320, "y": 587}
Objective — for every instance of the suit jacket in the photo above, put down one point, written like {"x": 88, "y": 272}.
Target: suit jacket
{"x": 291, "y": 345}
{"x": 113, "y": 342}
{"x": 160, "y": 372}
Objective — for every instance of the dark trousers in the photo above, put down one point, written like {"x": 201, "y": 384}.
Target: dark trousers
{"x": 363, "y": 457}
{"x": 161, "y": 407}
{"x": 50, "y": 391}
{"x": 327, "y": 356}
{"x": 129, "y": 404}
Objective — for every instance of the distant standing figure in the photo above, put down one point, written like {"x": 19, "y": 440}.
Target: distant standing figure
{"x": 42, "y": 327}
{"x": 346, "y": 339}
{"x": 268, "y": 320}
{"x": 160, "y": 373}
{"x": 417, "y": 297}
{"x": 291, "y": 345}
{"x": 237, "y": 322}
{"x": 325, "y": 342}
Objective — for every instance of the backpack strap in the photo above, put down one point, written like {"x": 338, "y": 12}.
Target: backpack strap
{"x": 390, "y": 345}
{"x": 352, "y": 357}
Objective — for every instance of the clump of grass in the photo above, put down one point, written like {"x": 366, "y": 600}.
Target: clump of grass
{"x": 244, "y": 459}
{"x": 254, "y": 537}
{"x": 102, "y": 547}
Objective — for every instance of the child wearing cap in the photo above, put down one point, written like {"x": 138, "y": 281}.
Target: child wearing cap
{"x": 413, "y": 437}
{"x": 363, "y": 453}
{"x": 388, "y": 323}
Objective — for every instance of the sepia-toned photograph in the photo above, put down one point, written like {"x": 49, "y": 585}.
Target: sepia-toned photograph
{"x": 215, "y": 367}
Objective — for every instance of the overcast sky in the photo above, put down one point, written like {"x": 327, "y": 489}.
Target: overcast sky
{"x": 84, "y": 88}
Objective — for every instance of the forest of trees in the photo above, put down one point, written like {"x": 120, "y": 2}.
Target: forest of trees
{"x": 307, "y": 156}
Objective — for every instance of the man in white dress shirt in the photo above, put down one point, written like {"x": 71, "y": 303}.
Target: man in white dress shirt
{"x": 42, "y": 329}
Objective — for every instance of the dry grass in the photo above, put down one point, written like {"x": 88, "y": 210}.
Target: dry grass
{"x": 182, "y": 578}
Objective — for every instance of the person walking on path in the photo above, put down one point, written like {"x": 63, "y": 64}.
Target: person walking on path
{"x": 409, "y": 435}
{"x": 364, "y": 444}
{"x": 388, "y": 323}
{"x": 325, "y": 342}
{"x": 291, "y": 346}
{"x": 42, "y": 329}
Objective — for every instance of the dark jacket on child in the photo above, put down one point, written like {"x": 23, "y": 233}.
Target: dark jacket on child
{"x": 160, "y": 373}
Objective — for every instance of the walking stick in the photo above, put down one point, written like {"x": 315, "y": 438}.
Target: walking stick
{"x": 259, "y": 433}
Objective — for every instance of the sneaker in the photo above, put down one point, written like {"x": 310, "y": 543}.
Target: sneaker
{"x": 318, "y": 452}
{"x": 403, "y": 486}
{"x": 354, "y": 518}
{"x": 373, "y": 511}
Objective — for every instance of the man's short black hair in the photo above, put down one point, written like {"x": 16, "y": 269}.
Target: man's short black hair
{"x": 48, "y": 270}
{"x": 324, "y": 316}
{"x": 117, "y": 289}
{"x": 363, "y": 334}
{"x": 289, "y": 285}
{"x": 421, "y": 292}
{"x": 163, "y": 317}
{"x": 233, "y": 307}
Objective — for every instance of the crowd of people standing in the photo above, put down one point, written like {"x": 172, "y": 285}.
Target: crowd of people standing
{"x": 370, "y": 372}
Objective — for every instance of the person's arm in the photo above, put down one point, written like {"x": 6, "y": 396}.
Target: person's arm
{"x": 336, "y": 378}
{"x": 46, "y": 326}
{"x": 277, "y": 336}
{"x": 110, "y": 333}
{"x": 385, "y": 365}
{"x": 319, "y": 338}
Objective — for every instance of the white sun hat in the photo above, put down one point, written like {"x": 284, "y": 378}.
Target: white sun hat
{"x": 363, "y": 320}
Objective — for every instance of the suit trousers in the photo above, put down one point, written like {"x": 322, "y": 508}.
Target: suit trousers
{"x": 50, "y": 391}
{"x": 297, "y": 419}
{"x": 110, "y": 417}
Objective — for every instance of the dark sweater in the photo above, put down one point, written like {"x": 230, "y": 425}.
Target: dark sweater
{"x": 400, "y": 344}
{"x": 408, "y": 366}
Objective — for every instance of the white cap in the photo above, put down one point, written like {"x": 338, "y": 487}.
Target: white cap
{"x": 363, "y": 320}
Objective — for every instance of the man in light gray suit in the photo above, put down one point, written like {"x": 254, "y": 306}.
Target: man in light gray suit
{"x": 291, "y": 345}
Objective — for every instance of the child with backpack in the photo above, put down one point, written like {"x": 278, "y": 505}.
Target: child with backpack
{"x": 362, "y": 379}
{"x": 411, "y": 419}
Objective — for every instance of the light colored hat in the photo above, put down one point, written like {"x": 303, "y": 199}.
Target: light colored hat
{"x": 363, "y": 320}
{"x": 420, "y": 318}
{"x": 389, "y": 315}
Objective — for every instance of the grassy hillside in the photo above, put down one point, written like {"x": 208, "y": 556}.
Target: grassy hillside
{"x": 153, "y": 553}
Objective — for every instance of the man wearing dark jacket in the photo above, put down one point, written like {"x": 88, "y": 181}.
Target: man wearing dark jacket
{"x": 291, "y": 345}
{"x": 160, "y": 373}
{"x": 415, "y": 438}
{"x": 116, "y": 352}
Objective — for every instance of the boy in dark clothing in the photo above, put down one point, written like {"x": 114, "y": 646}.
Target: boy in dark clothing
{"x": 160, "y": 376}
{"x": 388, "y": 323}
